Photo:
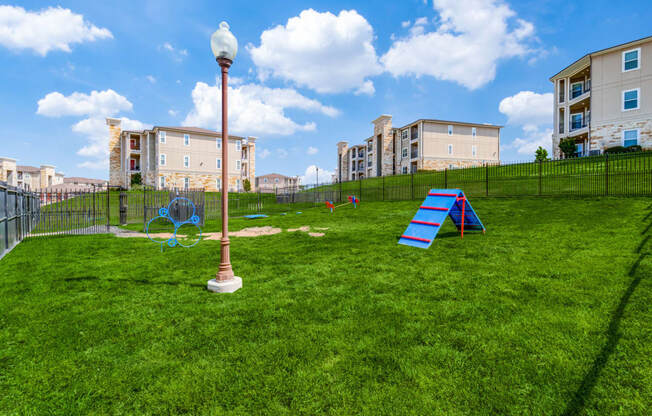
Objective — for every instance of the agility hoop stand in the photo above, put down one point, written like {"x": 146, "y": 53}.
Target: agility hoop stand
{"x": 352, "y": 200}
{"x": 439, "y": 204}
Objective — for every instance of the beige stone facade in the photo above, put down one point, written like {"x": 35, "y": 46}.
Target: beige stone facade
{"x": 8, "y": 172}
{"x": 424, "y": 144}
{"x": 604, "y": 99}
{"x": 179, "y": 157}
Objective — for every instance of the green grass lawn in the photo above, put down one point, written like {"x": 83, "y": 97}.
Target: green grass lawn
{"x": 547, "y": 314}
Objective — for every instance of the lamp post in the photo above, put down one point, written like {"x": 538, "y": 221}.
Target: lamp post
{"x": 225, "y": 47}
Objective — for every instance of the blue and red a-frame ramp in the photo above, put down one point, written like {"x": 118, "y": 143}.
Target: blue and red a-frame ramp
{"x": 439, "y": 204}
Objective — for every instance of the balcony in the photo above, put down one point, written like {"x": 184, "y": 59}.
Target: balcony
{"x": 578, "y": 126}
{"x": 579, "y": 92}
{"x": 414, "y": 153}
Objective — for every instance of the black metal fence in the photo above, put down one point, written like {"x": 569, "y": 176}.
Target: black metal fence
{"x": 627, "y": 174}
{"x": 18, "y": 216}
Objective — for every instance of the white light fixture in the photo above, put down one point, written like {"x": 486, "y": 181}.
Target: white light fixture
{"x": 223, "y": 43}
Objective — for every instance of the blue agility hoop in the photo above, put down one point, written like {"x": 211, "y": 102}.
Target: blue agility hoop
{"x": 164, "y": 213}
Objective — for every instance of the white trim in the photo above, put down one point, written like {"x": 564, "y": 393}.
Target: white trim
{"x": 638, "y": 60}
{"x": 186, "y": 140}
{"x": 638, "y": 100}
{"x": 622, "y": 136}
{"x": 186, "y": 161}
{"x": 162, "y": 159}
{"x": 162, "y": 137}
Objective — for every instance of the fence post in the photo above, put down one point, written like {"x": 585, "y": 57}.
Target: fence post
{"x": 6, "y": 242}
{"x": 94, "y": 219}
{"x": 340, "y": 192}
{"x": 606, "y": 174}
{"x": 108, "y": 207}
{"x": 360, "y": 180}
{"x": 445, "y": 178}
{"x": 145, "y": 208}
{"x": 540, "y": 166}
{"x": 383, "y": 188}
{"x": 412, "y": 185}
{"x": 486, "y": 178}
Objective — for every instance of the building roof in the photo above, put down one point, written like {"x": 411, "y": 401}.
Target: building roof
{"x": 80, "y": 180}
{"x": 584, "y": 60}
{"x": 185, "y": 129}
{"x": 463, "y": 123}
{"x": 25, "y": 168}
{"x": 276, "y": 174}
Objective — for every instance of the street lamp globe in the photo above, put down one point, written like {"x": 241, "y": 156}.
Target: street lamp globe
{"x": 223, "y": 43}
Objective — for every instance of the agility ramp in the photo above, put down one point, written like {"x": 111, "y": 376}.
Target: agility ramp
{"x": 439, "y": 204}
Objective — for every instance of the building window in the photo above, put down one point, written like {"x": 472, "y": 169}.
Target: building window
{"x": 162, "y": 161}
{"x": 474, "y": 131}
{"x": 218, "y": 183}
{"x": 186, "y": 140}
{"x": 219, "y": 143}
{"x": 161, "y": 136}
{"x": 237, "y": 184}
{"x": 237, "y": 165}
{"x": 630, "y": 138}
{"x": 631, "y": 60}
{"x": 404, "y": 169}
{"x": 275, "y": 180}
{"x": 218, "y": 163}
{"x": 186, "y": 161}
{"x": 404, "y": 134}
{"x": 450, "y": 166}
{"x": 404, "y": 153}
{"x": 474, "y": 150}
{"x": 576, "y": 90}
{"x": 238, "y": 145}
{"x": 450, "y": 130}
{"x": 265, "y": 180}
{"x": 630, "y": 99}
{"x": 576, "y": 121}
{"x": 450, "y": 149}
{"x": 186, "y": 183}
{"x": 370, "y": 147}
{"x": 162, "y": 181}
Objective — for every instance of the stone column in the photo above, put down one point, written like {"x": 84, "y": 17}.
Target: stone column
{"x": 115, "y": 163}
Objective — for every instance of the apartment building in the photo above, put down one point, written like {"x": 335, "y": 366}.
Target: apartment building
{"x": 181, "y": 157}
{"x": 604, "y": 99}
{"x": 273, "y": 181}
{"x": 29, "y": 177}
{"x": 87, "y": 183}
{"x": 424, "y": 144}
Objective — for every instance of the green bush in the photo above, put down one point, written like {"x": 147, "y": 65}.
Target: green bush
{"x": 568, "y": 147}
{"x": 621, "y": 149}
{"x": 136, "y": 179}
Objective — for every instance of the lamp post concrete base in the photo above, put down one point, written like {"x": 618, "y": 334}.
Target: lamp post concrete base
{"x": 224, "y": 286}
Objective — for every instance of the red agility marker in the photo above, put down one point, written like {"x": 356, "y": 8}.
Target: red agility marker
{"x": 440, "y": 194}
{"x": 435, "y": 224}
{"x": 433, "y": 208}
{"x": 425, "y": 240}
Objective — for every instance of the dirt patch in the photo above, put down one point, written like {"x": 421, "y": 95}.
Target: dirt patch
{"x": 321, "y": 228}
{"x": 316, "y": 234}
{"x": 305, "y": 229}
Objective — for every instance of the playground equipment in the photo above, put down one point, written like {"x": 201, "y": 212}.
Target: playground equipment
{"x": 351, "y": 198}
{"x": 177, "y": 208}
{"x": 439, "y": 204}
{"x": 254, "y": 216}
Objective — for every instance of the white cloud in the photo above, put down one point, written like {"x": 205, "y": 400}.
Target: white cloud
{"x": 324, "y": 52}
{"x": 405, "y": 24}
{"x": 312, "y": 150}
{"x": 95, "y": 106}
{"x": 264, "y": 153}
{"x": 175, "y": 53}
{"x": 472, "y": 36}
{"x": 50, "y": 29}
{"x": 151, "y": 79}
{"x": 253, "y": 109}
{"x": 105, "y": 103}
{"x": 533, "y": 112}
{"x": 533, "y": 137}
{"x": 173, "y": 113}
{"x": 310, "y": 176}
{"x": 527, "y": 107}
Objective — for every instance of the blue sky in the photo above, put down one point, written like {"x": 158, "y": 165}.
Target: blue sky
{"x": 307, "y": 74}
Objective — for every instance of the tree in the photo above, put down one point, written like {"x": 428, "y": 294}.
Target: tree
{"x": 136, "y": 179}
{"x": 246, "y": 185}
{"x": 541, "y": 154}
{"x": 568, "y": 147}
